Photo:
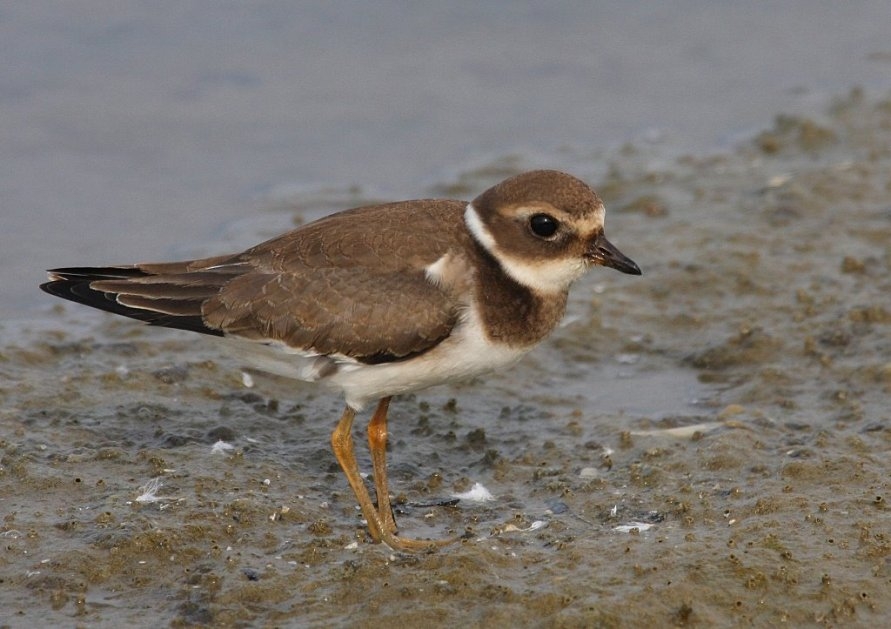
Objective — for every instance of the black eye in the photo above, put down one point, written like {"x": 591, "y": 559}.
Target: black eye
{"x": 543, "y": 225}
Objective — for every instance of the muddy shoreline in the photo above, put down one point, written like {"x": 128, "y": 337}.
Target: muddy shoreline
{"x": 707, "y": 445}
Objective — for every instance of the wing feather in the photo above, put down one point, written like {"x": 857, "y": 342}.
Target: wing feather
{"x": 353, "y": 284}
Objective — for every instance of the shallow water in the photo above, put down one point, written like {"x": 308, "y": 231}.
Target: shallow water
{"x": 136, "y": 132}
{"x": 705, "y": 445}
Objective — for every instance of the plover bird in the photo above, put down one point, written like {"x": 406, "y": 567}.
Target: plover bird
{"x": 381, "y": 300}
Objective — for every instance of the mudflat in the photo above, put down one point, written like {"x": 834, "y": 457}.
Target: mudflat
{"x": 708, "y": 444}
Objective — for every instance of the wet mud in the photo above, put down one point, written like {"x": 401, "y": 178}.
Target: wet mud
{"x": 708, "y": 445}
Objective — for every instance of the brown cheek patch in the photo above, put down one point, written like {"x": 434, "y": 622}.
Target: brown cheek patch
{"x": 515, "y": 239}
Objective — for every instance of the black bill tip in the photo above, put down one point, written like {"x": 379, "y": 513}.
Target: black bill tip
{"x": 605, "y": 253}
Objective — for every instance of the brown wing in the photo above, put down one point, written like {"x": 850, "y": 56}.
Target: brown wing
{"x": 352, "y": 284}
{"x": 369, "y": 316}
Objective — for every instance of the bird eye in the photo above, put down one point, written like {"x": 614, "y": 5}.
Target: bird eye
{"x": 543, "y": 225}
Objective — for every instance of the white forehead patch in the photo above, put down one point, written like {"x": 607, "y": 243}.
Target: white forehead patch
{"x": 600, "y": 215}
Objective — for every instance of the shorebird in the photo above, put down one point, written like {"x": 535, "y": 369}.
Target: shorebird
{"x": 381, "y": 300}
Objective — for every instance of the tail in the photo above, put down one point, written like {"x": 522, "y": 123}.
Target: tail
{"x": 167, "y": 295}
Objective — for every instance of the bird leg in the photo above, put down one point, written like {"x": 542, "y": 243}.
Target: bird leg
{"x": 377, "y": 445}
{"x": 381, "y": 524}
{"x": 342, "y": 444}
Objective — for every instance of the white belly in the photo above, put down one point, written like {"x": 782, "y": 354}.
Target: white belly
{"x": 464, "y": 354}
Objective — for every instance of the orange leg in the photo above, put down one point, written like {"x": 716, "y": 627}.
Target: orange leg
{"x": 381, "y": 524}
{"x": 342, "y": 444}
{"x": 377, "y": 444}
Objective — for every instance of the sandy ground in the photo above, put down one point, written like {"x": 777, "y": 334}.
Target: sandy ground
{"x": 707, "y": 445}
